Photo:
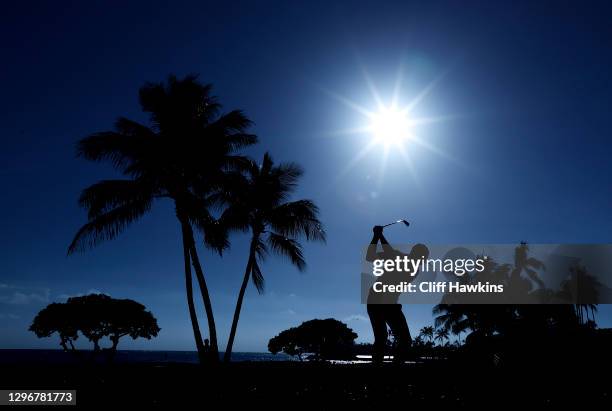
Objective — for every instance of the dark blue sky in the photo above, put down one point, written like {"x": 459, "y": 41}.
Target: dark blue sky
{"x": 524, "y": 154}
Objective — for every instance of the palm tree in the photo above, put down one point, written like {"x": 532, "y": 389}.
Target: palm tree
{"x": 522, "y": 262}
{"x": 260, "y": 206}
{"x": 184, "y": 155}
{"x": 581, "y": 286}
{"x": 427, "y": 332}
{"x": 441, "y": 335}
{"x": 451, "y": 317}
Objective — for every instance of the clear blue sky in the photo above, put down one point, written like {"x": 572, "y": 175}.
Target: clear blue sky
{"x": 524, "y": 153}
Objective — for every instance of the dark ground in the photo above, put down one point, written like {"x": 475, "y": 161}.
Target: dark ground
{"x": 319, "y": 386}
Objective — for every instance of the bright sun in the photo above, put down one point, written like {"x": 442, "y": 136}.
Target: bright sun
{"x": 390, "y": 126}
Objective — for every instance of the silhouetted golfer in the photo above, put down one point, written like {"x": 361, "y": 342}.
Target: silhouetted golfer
{"x": 383, "y": 308}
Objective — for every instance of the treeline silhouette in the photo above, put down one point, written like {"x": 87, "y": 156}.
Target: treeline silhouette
{"x": 523, "y": 283}
{"x": 546, "y": 329}
{"x": 486, "y": 333}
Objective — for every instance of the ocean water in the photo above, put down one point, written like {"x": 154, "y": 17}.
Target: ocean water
{"x": 126, "y": 356}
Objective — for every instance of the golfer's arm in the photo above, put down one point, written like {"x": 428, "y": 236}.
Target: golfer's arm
{"x": 371, "y": 254}
{"x": 385, "y": 244}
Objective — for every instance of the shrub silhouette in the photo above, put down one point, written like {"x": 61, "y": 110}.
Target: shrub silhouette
{"x": 324, "y": 339}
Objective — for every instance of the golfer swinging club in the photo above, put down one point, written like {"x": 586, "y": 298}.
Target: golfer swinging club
{"x": 383, "y": 308}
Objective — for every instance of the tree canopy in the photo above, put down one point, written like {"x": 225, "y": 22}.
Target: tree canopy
{"x": 57, "y": 318}
{"x": 324, "y": 339}
{"x": 95, "y": 316}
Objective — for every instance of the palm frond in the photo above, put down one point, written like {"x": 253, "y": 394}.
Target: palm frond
{"x": 131, "y": 128}
{"x": 280, "y": 181}
{"x": 235, "y": 218}
{"x": 260, "y": 248}
{"x": 234, "y": 122}
{"x": 111, "y": 146}
{"x": 105, "y": 195}
{"x": 178, "y": 102}
{"x": 257, "y": 276}
{"x": 215, "y": 236}
{"x": 237, "y": 141}
{"x": 196, "y": 210}
{"x": 230, "y": 188}
{"x": 109, "y": 225}
{"x": 287, "y": 247}
{"x": 237, "y": 163}
{"x": 297, "y": 218}
{"x": 288, "y": 175}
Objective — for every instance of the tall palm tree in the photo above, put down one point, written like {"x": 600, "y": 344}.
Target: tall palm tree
{"x": 581, "y": 286}
{"x": 522, "y": 262}
{"x": 261, "y": 206}
{"x": 451, "y": 317}
{"x": 441, "y": 335}
{"x": 184, "y": 155}
{"x": 427, "y": 332}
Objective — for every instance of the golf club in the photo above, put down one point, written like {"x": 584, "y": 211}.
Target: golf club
{"x": 406, "y": 223}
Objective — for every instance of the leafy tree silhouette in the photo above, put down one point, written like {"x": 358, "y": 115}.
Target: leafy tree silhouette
{"x": 287, "y": 342}
{"x": 91, "y": 313}
{"x": 259, "y": 203}
{"x": 96, "y": 316}
{"x": 185, "y": 155}
{"x": 57, "y": 318}
{"x": 130, "y": 318}
{"x": 325, "y": 339}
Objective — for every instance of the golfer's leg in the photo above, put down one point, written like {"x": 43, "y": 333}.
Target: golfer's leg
{"x": 379, "y": 328}
{"x": 399, "y": 327}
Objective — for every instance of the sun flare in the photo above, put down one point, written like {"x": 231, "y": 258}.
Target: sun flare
{"x": 393, "y": 125}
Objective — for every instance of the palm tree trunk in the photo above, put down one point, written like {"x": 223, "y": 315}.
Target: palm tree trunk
{"x": 212, "y": 329}
{"x": 245, "y": 282}
{"x": 189, "y": 287}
